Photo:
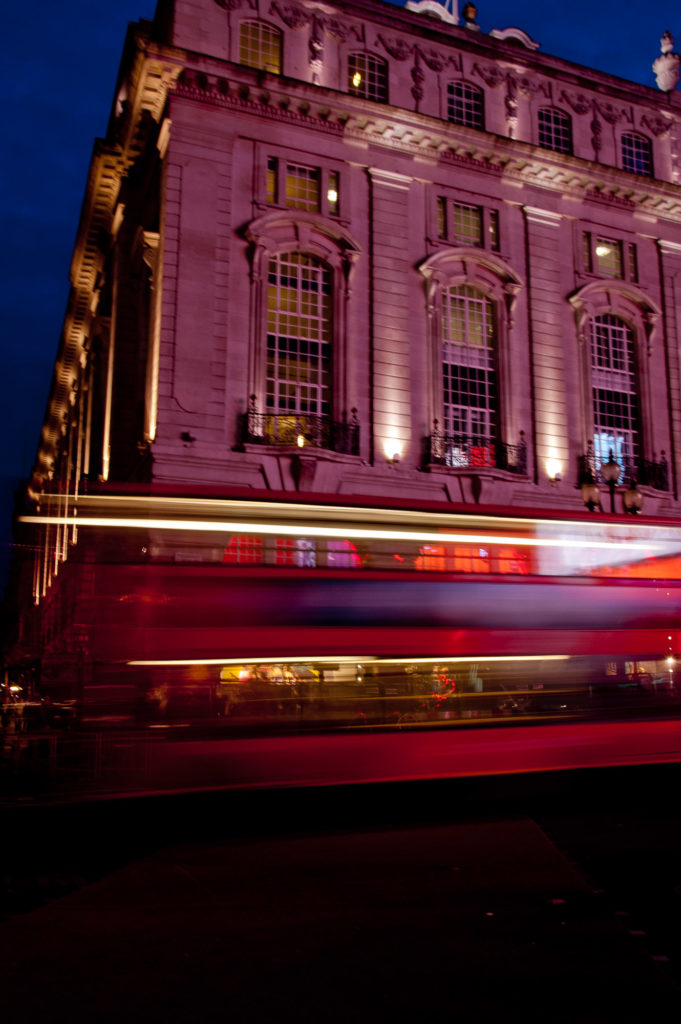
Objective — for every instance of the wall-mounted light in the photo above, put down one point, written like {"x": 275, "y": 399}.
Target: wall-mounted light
{"x": 393, "y": 452}
{"x": 554, "y": 471}
{"x": 332, "y": 196}
{"x": 356, "y": 79}
{"x": 300, "y": 441}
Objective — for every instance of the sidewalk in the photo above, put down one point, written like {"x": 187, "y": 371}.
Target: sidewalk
{"x": 469, "y": 922}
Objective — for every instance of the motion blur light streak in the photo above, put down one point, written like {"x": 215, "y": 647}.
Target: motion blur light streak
{"x": 311, "y": 530}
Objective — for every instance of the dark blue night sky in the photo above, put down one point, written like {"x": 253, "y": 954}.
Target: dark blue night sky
{"x": 59, "y": 67}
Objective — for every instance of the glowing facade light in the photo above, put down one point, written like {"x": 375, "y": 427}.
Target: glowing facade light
{"x": 332, "y": 196}
{"x": 300, "y": 441}
{"x": 357, "y": 79}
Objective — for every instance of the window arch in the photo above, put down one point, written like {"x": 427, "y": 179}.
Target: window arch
{"x": 301, "y": 266}
{"x": 368, "y": 77}
{"x": 260, "y": 46}
{"x": 555, "y": 130}
{"x": 465, "y": 105}
{"x": 471, "y": 298}
{"x": 637, "y": 154}
{"x": 616, "y": 329}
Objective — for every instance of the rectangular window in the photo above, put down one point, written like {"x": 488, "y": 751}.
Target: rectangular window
{"x": 467, "y": 222}
{"x": 302, "y": 187}
{"x": 332, "y": 193}
{"x": 609, "y": 257}
{"x": 272, "y": 175}
{"x": 441, "y": 217}
{"x": 493, "y": 230}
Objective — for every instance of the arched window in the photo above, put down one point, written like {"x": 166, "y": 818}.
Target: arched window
{"x": 637, "y": 154}
{"x": 469, "y": 376}
{"x": 465, "y": 105}
{"x": 301, "y": 267}
{"x": 260, "y": 46}
{"x": 298, "y": 375}
{"x": 368, "y": 77}
{"x": 475, "y": 398}
{"x": 555, "y": 130}
{"x": 614, "y": 382}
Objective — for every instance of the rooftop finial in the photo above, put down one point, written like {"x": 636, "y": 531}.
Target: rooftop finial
{"x": 667, "y": 68}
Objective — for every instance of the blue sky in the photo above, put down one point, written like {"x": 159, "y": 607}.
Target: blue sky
{"x": 59, "y": 69}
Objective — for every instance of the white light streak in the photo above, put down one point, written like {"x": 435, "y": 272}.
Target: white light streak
{"x": 342, "y": 530}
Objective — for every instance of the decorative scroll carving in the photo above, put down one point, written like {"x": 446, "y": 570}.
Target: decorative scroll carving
{"x": 609, "y": 113}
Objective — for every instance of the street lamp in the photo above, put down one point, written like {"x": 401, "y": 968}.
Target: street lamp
{"x": 611, "y": 473}
{"x": 590, "y": 492}
{"x": 633, "y": 499}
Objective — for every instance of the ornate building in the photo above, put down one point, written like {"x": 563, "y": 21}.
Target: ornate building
{"x": 363, "y": 251}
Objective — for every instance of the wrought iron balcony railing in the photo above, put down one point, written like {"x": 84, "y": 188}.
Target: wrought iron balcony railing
{"x": 300, "y": 430}
{"x": 645, "y": 472}
{"x": 461, "y": 451}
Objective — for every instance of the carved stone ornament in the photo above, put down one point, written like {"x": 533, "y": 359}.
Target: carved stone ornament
{"x": 292, "y": 14}
{"x": 659, "y": 126}
{"x": 234, "y": 5}
{"x": 609, "y": 113}
{"x": 397, "y": 48}
{"x": 433, "y": 59}
{"x": 667, "y": 68}
{"x": 577, "y": 102}
{"x": 491, "y": 74}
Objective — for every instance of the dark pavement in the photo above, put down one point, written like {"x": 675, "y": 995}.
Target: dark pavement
{"x": 430, "y": 903}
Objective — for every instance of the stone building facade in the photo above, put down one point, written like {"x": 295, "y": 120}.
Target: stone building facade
{"x": 352, "y": 249}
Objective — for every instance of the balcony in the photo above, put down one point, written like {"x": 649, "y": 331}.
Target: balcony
{"x": 460, "y": 451}
{"x": 299, "y": 430}
{"x": 646, "y": 472}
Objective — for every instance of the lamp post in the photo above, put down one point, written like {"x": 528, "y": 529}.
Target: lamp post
{"x": 611, "y": 473}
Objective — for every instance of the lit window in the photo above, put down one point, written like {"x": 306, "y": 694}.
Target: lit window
{"x": 555, "y": 130}
{"x": 260, "y": 46}
{"x": 302, "y": 187}
{"x": 272, "y": 174}
{"x": 368, "y": 77}
{"x": 299, "y": 328}
{"x": 465, "y": 105}
{"x": 469, "y": 379}
{"x": 332, "y": 192}
{"x": 615, "y": 398}
{"x": 636, "y": 154}
{"x": 609, "y": 257}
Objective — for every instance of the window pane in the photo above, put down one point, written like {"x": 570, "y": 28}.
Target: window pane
{"x": 272, "y": 164}
{"x": 469, "y": 375}
{"x": 465, "y": 105}
{"x": 467, "y": 224}
{"x": 302, "y": 187}
{"x": 555, "y": 130}
{"x": 609, "y": 257}
{"x": 615, "y": 397}
{"x": 368, "y": 77}
{"x": 332, "y": 193}
{"x": 260, "y": 46}
{"x": 636, "y": 154}
{"x": 299, "y": 330}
